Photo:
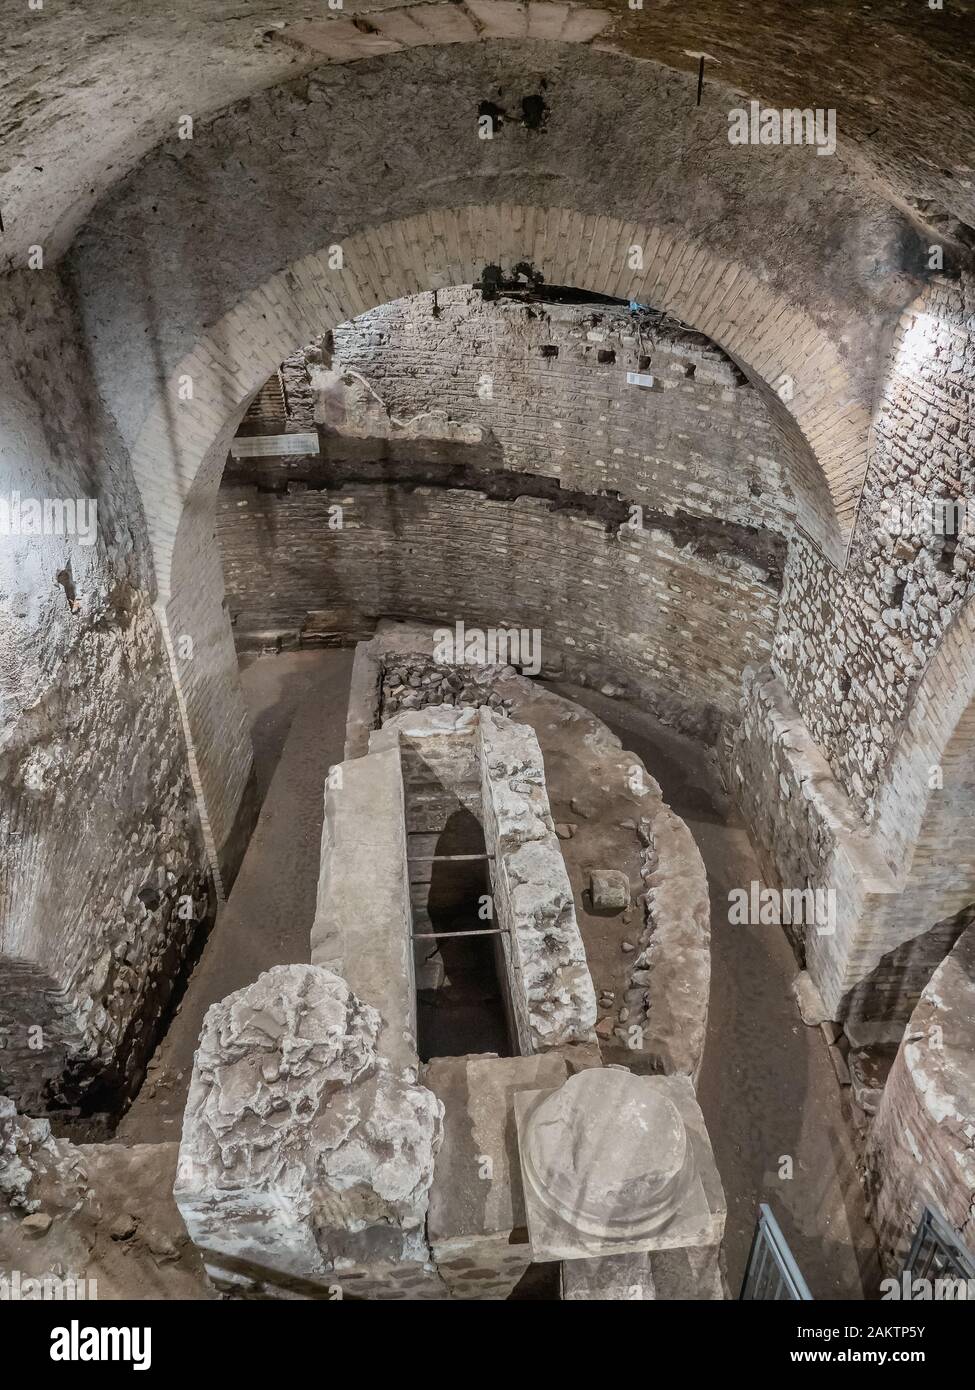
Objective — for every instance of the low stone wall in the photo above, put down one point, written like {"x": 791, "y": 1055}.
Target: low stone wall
{"x": 362, "y": 929}
{"x": 669, "y": 984}
{"x": 920, "y": 1147}
{"x": 551, "y": 988}
{"x": 651, "y": 612}
{"x": 808, "y": 835}
{"x": 661, "y": 1018}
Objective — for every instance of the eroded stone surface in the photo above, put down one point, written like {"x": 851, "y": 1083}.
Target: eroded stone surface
{"x": 303, "y": 1151}
{"x": 615, "y": 1163}
{"x": 610, "y": 890}
{"x": 554, "y": 1001}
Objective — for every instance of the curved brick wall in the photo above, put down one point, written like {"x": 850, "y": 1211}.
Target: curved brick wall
{"x": 444, "y": 389}
{"x": 920, "y": 1145}
{"x": 674, "y": 629}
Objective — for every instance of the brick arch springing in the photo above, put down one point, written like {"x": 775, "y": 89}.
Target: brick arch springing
{"x": 179, "y": 453}
{"x": 925, "y": 831}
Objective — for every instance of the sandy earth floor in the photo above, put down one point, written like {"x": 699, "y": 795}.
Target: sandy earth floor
{"x": 297, "y": 702}
{"x": 767, "y": 1088}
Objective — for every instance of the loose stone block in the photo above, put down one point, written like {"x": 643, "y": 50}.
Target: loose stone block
{"x": 609, "y": 889}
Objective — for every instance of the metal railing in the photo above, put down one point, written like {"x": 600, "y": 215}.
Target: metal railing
{"x": 936, "y": 1252}
{"x": 772, "y": 1274}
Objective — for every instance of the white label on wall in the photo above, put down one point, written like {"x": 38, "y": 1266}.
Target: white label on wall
{"x": 638, "y": 379}
{"x": 251, "y": 446}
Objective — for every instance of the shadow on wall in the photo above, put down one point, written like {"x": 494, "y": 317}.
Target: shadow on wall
{"x": 894, "y": 986}
{"x": 466, "y": 1012}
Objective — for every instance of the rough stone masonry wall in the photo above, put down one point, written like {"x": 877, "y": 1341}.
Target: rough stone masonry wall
{"x": 849, "y": 651}
{"x": 665, "y": 983}
{"x": 852, "y": 645}
{"x": 97, "y": 817}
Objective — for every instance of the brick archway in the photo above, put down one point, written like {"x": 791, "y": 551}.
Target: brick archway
{"x": 925, "y": 831}
{"x": 179, "y": 453}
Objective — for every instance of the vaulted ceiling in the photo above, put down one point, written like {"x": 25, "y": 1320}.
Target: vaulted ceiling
{"x": 87, "y": 90}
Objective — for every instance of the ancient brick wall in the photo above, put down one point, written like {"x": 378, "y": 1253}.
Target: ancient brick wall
{"x": 638, "y": 616}
{"x": 919, "y": 1149}
{"x": 548, "y": 382}
{"x": 853, "y": 644}
{"x": 667, "y": 610}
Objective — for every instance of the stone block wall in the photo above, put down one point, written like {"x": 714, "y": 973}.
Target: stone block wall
{"x": 551, "y": 990}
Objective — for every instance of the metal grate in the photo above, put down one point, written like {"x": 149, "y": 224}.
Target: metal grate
{"x": 937, "y": 1253}
{"x": 772, "y": 1275}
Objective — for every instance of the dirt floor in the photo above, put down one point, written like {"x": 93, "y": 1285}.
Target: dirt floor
{"x": 297, "y": 702}
{"x": 767, "y": 1088}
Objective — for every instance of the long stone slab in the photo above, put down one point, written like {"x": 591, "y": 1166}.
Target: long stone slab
{"x": 363, "y": 924}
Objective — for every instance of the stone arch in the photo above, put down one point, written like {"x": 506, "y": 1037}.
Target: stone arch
{"x": 179, "y": 453}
